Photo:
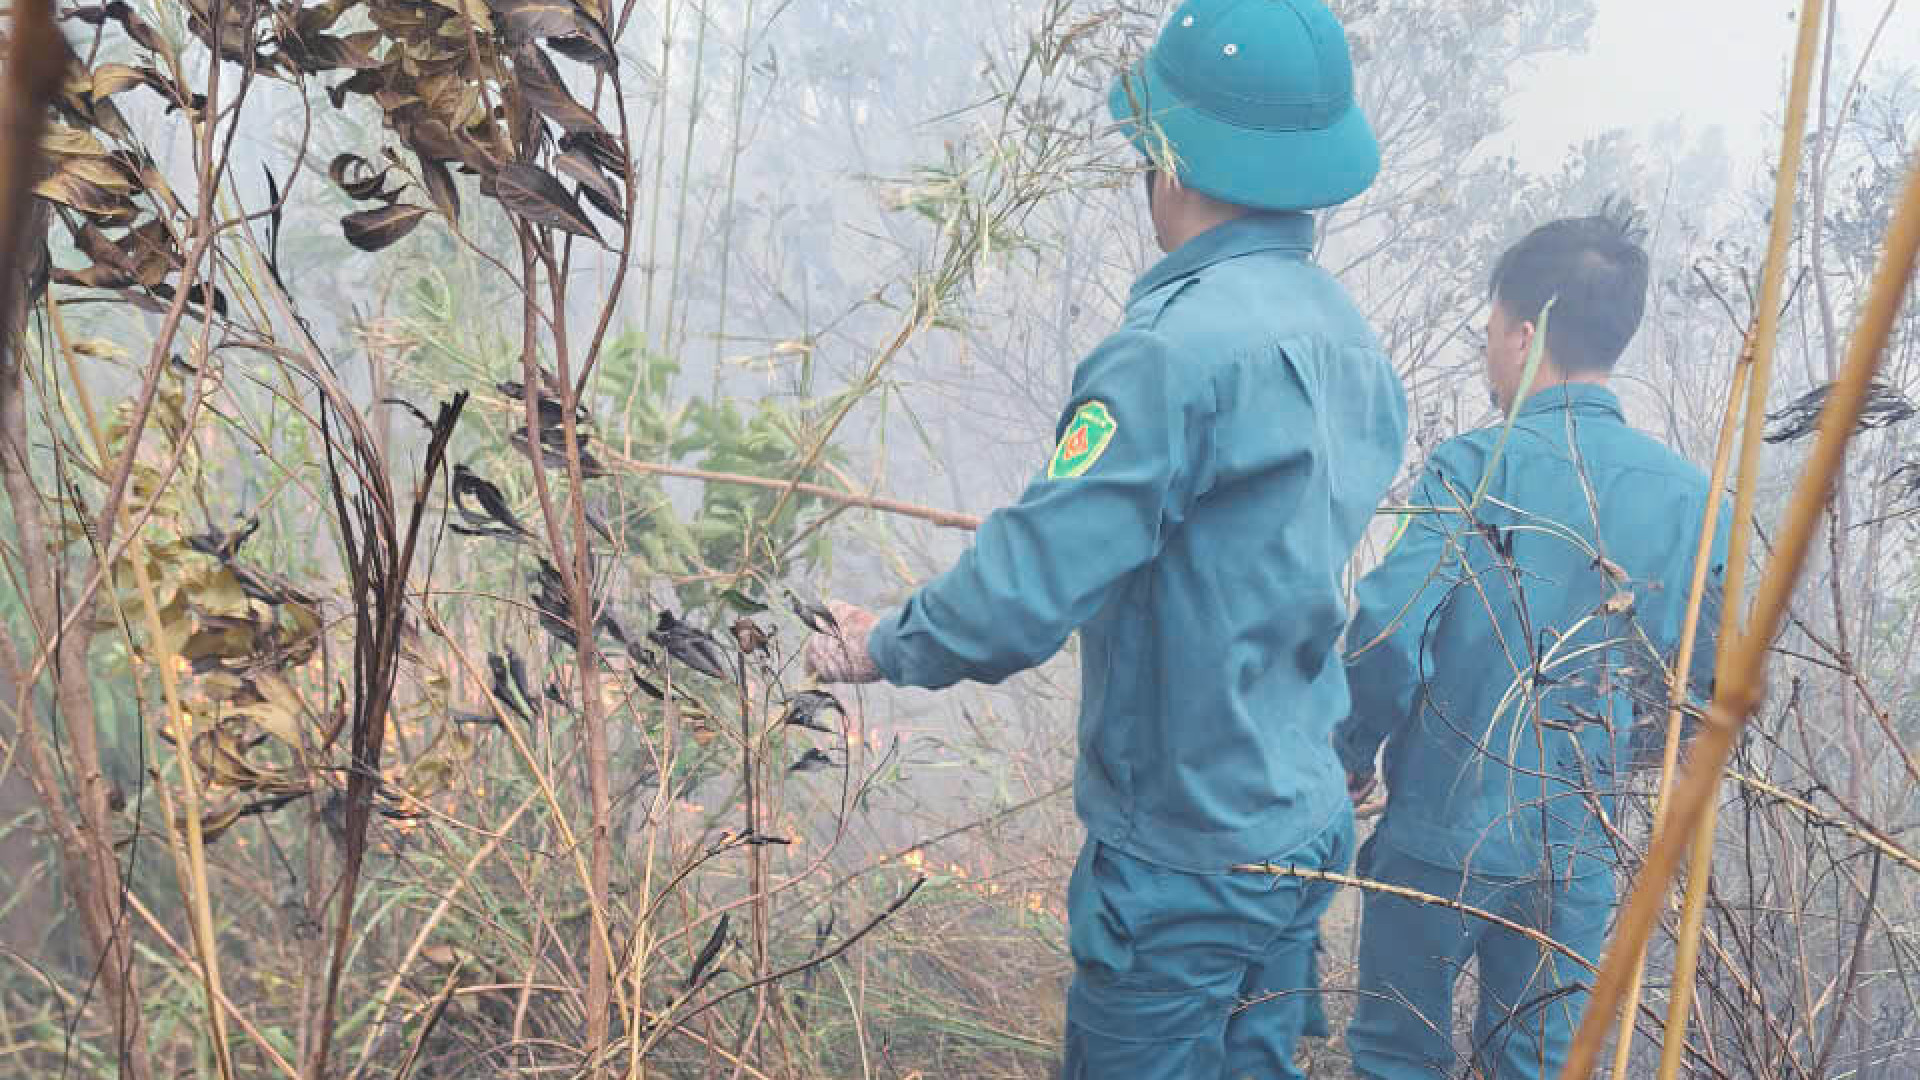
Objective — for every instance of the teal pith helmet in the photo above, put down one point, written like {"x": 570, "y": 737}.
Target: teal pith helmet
{"x": 1253, "y": 101}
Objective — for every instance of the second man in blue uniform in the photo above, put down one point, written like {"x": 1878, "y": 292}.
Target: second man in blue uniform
{"x": 1502, "y": 651}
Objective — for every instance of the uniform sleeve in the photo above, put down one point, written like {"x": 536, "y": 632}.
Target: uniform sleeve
{"x": 1131, "y": 452}
{"x": 1646, "y": 745}
{"x": 1395, "y": 603}
{"x": 1706, "y": 636}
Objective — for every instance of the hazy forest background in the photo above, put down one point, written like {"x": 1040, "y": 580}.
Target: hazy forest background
{"x": 310, "y": 307}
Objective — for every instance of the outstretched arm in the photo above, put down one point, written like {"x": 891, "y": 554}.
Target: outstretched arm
{"x": 1129, "y": 461}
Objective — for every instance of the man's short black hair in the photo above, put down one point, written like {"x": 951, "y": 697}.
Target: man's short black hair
{"x": 1596, "y": 269}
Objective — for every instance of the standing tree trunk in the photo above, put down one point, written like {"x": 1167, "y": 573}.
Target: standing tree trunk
{"x": 82, "y": 826}
{"x": 92, "y": 877}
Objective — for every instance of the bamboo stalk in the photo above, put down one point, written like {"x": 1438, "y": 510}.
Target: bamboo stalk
{"x": 1743, "y": 669}
{"x": 194, "y": 874}
{"x": 1683, "y": 664}
{"x": 696, "y": 89}
{"x": 1418, "y": 897}
{"x": 1766, "y": 332}
{"x": 948, "y": 519}
{"x": 920, "y": 317}
{"x": 735, "y": 146}
{"x": 933, "y": 515}
{"x": 30, "y": 78}
{"x": 1821, "y": 819}
{"x": 641, "y": 946}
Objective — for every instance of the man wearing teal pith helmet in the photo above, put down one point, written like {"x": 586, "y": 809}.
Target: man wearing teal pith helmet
{"x": 1218, "y": 458}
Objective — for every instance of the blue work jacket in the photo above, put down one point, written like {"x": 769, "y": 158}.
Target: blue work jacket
{"x": 1512, "y": 648}
{"x": 1217, "y": 463}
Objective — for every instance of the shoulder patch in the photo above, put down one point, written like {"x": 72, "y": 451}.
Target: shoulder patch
{"x": 1085, "y": 439}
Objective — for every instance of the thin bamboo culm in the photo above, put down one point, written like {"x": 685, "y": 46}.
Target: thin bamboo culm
{"x": 1693, "y": 908}
{"x": 1683, "y": 664}
{"x": 1757, "y": 352}
{"x": 1741, "y": 671}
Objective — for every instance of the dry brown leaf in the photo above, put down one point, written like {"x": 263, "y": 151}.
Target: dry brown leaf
{"x": 531, "y": 193}
{"x": 371, "y": 230}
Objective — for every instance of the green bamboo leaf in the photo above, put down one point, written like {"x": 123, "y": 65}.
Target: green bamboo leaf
{"x": 1527, "y": 374}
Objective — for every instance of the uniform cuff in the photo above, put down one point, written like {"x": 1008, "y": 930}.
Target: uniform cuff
{"x": 884, "y": 650}
{"x": 892, "y": 648}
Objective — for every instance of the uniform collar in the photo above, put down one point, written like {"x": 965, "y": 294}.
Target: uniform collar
{"x": 1583, "y": 397}
{"x": 1241, "y": 236}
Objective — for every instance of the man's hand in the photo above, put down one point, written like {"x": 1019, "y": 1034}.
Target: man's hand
{"x": 1360, "y": 785}
{"x": 1361, "y": 788}
{"x": 843, "y": 657}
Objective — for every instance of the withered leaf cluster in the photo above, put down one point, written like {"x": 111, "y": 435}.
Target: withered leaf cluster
{"x": 483, "y": 88}
{"x": 1800, "y": 417}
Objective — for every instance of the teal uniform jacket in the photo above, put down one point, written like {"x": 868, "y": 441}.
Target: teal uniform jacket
{"x": 1504, "y": 655}
{"x": 1217, "y": 463}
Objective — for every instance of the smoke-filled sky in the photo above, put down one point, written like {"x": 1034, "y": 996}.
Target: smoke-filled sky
{"x": 1703, "y": 62}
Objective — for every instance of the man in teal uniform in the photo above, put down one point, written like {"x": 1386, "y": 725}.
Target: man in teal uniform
{"x": 1217, "y": 463}
{"x": 1502, "y": 650}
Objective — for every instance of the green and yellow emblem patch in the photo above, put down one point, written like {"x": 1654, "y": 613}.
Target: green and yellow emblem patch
{"x": 1085, "y": 439}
